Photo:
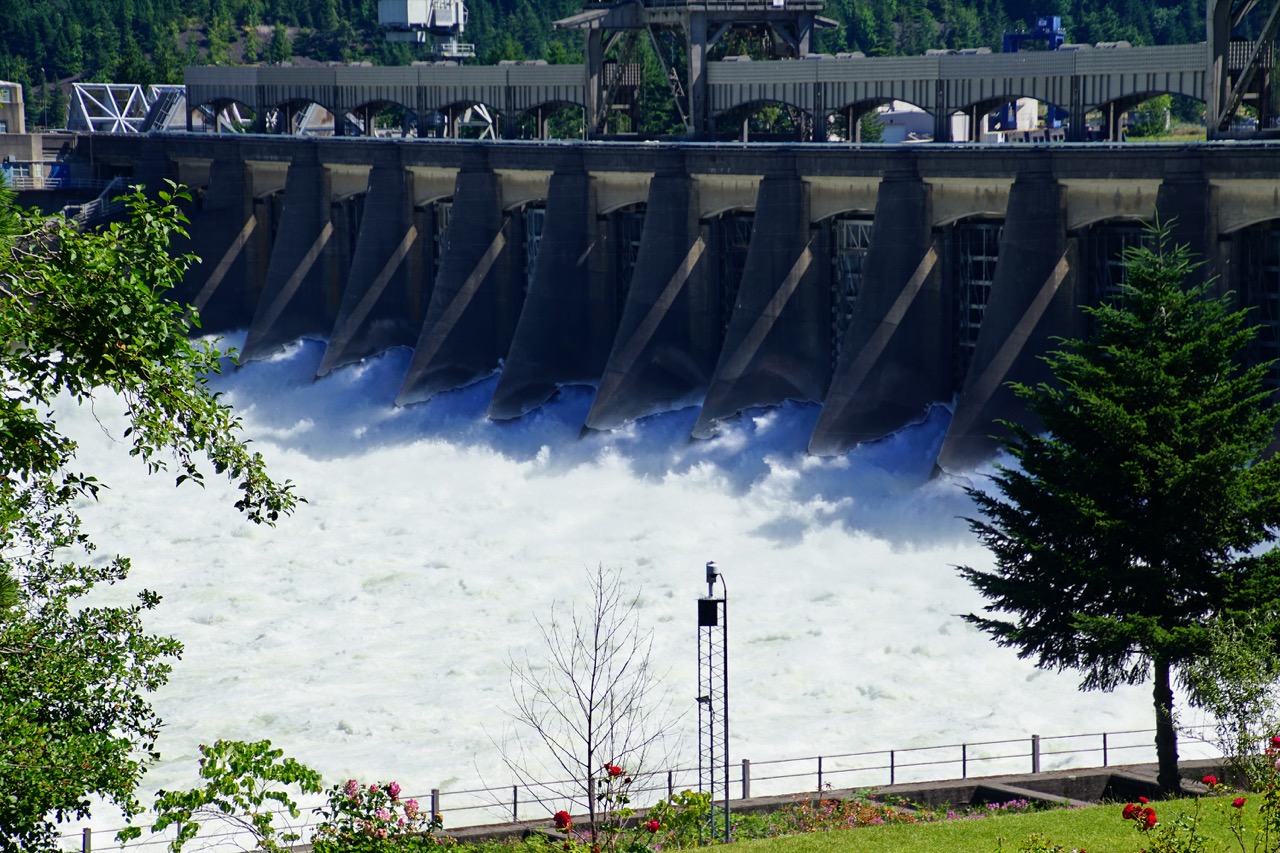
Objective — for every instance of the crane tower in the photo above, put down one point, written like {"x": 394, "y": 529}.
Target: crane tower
{"x": 436, "y": 23}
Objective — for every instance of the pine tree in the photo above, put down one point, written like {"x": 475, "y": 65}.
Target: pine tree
{"x": 1131, "y": 522}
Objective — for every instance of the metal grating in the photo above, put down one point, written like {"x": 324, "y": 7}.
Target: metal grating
{"x": 850, "y": 242}
{"x": 534, "y": 221}
{"x": 1260, "y": 280}
{"x": 977, "y": 248}
{"x": 733, "y": 239}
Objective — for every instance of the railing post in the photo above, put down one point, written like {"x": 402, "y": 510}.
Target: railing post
{"x": 964, "y": 761}
{"x": 746, "y": 778}
{"x": 1035, "y": 753}
{"x": 671, "y": 784}
{"x": 515, "y": 803}
{"x": 892, "y": 768}
{"x": 1104, "y": 749}
{"x": 86, "y": 840}
{"x": 819, "y": 774}
{"x": 435, "y": 803}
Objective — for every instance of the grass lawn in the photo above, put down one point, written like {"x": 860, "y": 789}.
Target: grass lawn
{"x": 1096, "y": 829}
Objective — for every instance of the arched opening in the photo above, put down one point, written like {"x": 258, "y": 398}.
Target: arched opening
{"x": 857, "y": 122}
{"x": 552, "y": 120}
{"x": 387, "y": 119}
{"x": 298, "y": 118}
{"x": 764, "y": 121}
{"x": 1010, "y": 119}
{"x": 900, "y": 121}
{"x": 464, "y": 120}
{"x": 222, "y": 116}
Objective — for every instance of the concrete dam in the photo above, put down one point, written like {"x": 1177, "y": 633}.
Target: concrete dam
{"x": 873, "y": 280}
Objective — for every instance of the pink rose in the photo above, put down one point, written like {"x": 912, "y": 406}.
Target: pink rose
{"x": 382, "y": 814}
{"x": 393, "y": 791}
{"x": 411, "y": 808}
{"x": 352, "y": 787}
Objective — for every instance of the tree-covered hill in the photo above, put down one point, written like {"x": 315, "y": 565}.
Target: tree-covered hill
{"x": 149, "y": 41}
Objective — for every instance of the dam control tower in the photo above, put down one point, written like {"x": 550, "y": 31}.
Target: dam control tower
{"x": 787, "y": 28}
{"x": 437, "y": 24}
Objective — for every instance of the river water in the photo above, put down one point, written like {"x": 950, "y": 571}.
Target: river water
{"x": 369, "y": 634}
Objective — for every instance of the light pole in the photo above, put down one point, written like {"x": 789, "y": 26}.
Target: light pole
{"x": 713, "y": 701}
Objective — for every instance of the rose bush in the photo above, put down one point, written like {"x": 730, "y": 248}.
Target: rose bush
{"x": 371, "y": 819}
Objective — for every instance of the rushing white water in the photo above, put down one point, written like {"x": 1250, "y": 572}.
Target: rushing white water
{"x": 368, "y": 635}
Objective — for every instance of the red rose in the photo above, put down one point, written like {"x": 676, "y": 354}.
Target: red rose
{"x": 1149, "y": 817}
{"x": 1130, "y": 812}
{"x": 562, "y": 821}
{"x": 1210, "y": 780}
{"x": 653, "y": 825}
{"x": 1275, "y": 741}
{"x": 613, "y": 770}
{"x": 1238, "y": 803}
{"x": 1143, "y": 800}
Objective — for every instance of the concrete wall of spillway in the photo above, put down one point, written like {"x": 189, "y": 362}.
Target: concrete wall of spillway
{"x": 874, "y": 280}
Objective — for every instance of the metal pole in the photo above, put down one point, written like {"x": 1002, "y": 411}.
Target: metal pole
{"x": 724, "y": 635}
{"x": 1104, "y": 749}
{"x": 746, "y": 779}
{"x": 515, "y": 803}
{"x": 1035, "y": 753}
{"x": 892, "y": 769}
{"x": 964, "y": 761}
{"x": 86, "y": 837}
{"x": 819, "y": 774}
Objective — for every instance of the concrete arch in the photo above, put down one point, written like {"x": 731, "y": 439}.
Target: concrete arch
{"x": 801, "y": 121}
{"x": 957, "y": 201}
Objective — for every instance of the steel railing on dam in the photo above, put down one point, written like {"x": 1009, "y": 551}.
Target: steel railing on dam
{"x": 840, "y": 774}
{"x": 873, "y": 281}
{"x": 1077, "y": 81}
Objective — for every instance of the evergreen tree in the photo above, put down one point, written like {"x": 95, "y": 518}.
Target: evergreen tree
{"x": 281, "y": 47}
{"x": 1132, "y": 520}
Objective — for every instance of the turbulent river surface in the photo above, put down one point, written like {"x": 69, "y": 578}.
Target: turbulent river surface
{"x": 369, "y": 634}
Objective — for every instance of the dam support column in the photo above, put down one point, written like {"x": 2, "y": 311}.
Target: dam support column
{"x": 570, "y": 315}
{"x": 668, "y": 336}
{"x": 1032, "y": 301}
{"x": 896, "y": 361}
{"x": 228, "y": 234}
{"x": 778, "y": 343}
{"x": 309, "y": 262}
{"x": 384, "y": 302}
{"x": 1185, "y": 201}
{"x": 476, "y": 298}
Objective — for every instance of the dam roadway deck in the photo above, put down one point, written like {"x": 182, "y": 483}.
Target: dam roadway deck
{"x": 874, "y": 280}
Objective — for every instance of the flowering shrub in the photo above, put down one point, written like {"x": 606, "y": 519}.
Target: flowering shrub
{"x": 372, "y": 818}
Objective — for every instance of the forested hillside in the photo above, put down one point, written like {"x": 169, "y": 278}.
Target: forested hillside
{"x": 149, "y": 41}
